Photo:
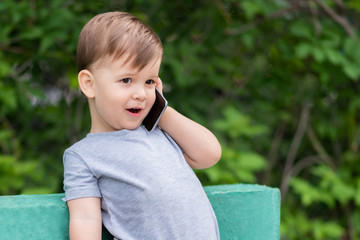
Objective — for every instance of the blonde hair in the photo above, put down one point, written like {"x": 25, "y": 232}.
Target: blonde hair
{"x": 114, "y": 34}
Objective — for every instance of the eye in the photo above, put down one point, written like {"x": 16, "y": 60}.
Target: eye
{"x": 150, "y": 82}
{"x": 126, "y": 80}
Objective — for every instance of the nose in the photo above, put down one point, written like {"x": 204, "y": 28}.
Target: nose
{"x": 139, "y": 93}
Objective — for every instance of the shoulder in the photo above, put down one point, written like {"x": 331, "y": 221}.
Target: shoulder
{"x": 76, "y": 145}
{"x": 76, "y": 154}
{"x": 89, "y": 143}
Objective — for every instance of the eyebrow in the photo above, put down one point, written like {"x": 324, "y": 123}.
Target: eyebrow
{"x": 131, "y": 75}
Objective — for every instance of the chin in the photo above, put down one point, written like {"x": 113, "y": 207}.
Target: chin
{"x": 133, "y": 127}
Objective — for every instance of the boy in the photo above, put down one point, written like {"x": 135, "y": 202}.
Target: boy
{"x": 139, "y": 184}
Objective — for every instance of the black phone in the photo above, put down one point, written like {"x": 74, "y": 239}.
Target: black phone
{"x": 157, "y": 110}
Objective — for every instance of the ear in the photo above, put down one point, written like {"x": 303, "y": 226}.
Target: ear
{"x": 86, "y": 82}
{"x": 159, "y": 85}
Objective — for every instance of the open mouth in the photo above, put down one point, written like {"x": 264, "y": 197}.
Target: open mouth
{"x": 134, "y": 110}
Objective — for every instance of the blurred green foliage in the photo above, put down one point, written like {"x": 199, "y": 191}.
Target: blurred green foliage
{"x": 277, "y": 81}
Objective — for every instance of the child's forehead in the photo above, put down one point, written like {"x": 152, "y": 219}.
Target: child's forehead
{"x": 124, "y": 61}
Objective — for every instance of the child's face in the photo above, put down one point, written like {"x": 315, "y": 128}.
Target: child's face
{"x": 123, "y": 96}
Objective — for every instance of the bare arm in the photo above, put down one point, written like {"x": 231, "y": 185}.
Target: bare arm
{"x": 85, "y": 219}
{"x": 201, "y": 148}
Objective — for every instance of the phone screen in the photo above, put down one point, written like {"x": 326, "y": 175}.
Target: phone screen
{"x": 152, "y": 119}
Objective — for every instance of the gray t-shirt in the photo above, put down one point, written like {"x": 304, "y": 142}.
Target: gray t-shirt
{"x": 148, "y": 190}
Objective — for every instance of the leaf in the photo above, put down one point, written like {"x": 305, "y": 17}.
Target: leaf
{"x": 5, "y": 68}
{"x": 251, "y": 8}
{"x": 45, "y": 43}
{"x": 310, "y": 194}
{"x": 7, "y": 163}
{"x": 5, "y": 135}
{"x": 343, "y": 192}
{"x": 333, "y": 55}
{"x": 336, "y": 186}
{"x": 327, "y": 230}
{"x": 7, "y": 98}
{"x": 303, "y": 50}
{"x": 301, "y": 29}
{"x": 237, "y": 124}
{"x": 37, "y": 190}
{"x": 73, "y": 78}
{"x": 251, "y": 161}
{"x": 357, "y": 193}
{"x": 243, "y": 163}
{"x": 354, "y": 4}
{"x": 351, "y": 47}
{"x": 318, "y": 54}
{"x": 351, "y": 70}
{"x": 218, "y": 174}
{"x": 5, "y": 34}
{"x": 32, "y": 33}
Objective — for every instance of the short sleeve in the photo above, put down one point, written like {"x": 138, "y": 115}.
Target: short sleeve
{"x": 79, "y": 181}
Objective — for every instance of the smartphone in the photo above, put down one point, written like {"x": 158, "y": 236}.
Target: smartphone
{"x": 157, "y": 110}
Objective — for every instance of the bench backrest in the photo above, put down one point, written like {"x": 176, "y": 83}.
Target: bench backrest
{"x": 244, "y": 211}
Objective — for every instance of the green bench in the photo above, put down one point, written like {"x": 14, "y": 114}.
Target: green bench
{"x": 244, "y": 211}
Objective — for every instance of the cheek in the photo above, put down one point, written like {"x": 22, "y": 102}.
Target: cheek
{"x": 109, "y": 103}
{"x": 113, "y": 94}
{"x": 151, "y": 99}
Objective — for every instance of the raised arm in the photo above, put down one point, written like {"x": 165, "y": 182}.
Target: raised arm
{"x": 85, "y": 219}
{"x": 201, "y": 148}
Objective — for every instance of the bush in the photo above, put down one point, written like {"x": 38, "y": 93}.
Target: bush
{"x": 277, "y": 81}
